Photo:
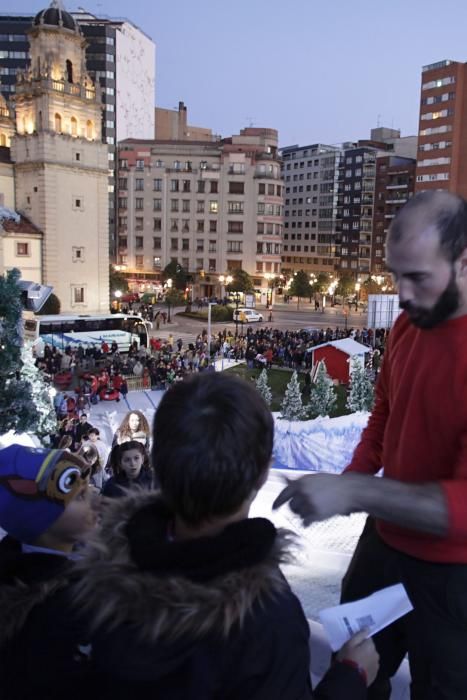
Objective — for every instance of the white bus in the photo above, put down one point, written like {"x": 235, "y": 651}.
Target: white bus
{"x": 64, "y": 331}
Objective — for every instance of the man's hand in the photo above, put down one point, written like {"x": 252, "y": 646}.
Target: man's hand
{"x": 362, "y": 652}
{"x": 317, "y": 497}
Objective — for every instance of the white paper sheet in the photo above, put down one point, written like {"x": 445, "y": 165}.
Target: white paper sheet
{"x": 375, "y": 612}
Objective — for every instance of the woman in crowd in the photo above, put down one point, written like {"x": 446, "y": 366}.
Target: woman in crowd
{"x": 133, "y": 427}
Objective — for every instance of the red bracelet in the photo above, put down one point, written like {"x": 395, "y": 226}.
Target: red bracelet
{"x": 353, "y": 664}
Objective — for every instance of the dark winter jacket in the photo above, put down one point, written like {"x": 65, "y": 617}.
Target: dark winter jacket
{"x": 205, "y": 619}
{"x": 40, "y": 638}
{"x": 116, "y": 486}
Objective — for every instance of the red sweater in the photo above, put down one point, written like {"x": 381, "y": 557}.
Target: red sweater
{"x": 418, "y": 429}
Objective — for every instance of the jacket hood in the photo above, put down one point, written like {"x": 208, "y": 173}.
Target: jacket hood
{"x": 133, "y": 573}
{"x": 26, "y": 580}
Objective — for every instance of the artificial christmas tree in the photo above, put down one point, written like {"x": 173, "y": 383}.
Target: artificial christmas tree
{"x": 46, "y": 420}
{"x": 361, "y": 394}
{"x": 263, "y": 387}
{"x": 18, "y": 409}
{"x": 292, "y": 406}
{"x": 323, "y": 395}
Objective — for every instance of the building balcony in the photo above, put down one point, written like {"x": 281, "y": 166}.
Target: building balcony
{"x": 267, "y": 176}
{"x": 397, "y": 186}
{"x": 397, "y": 200}
{"x": 25, "y": 85}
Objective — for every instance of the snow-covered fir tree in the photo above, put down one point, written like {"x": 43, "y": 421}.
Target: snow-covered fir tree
{"x": 292, "y": 407}
{"x": 361, "y": 396}
{"x": 323, "y": 394}
{"x": 46, "y": 421}
{"x": 18, "y": 410}
{"x": 263, "y": 386}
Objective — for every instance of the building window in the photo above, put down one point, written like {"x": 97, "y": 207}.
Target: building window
{"x": 157, "y": 225}
{"x": 122, "y": 183}
{"x": 199, "y": 263}
{"x": 78, "y": 204}
{"x": 58, "y": 123}
{"x": 185, "y": 205}
{"x": 214, "y": 187}
{"x": 122, "y": 203}
{"x": 22, "y": 249}
{"x": 74, "y": 126}
{"x": 78, "y": 295}
{"x": 234, "y": 246}
{"x": 212, "y": 246}
{"x": 139, "y": 184}
{"x": 200, "y": 206}
{"x": 139, "y": 223}
{"x": 90, "y": 130}
{"x": 200, "y": 225}
{"x": 235, "y": 207}
{"x": 157, "y": 185}
{"x": 235, "y": 226}
{"x": 139, "y": 242}
{"x": 174, "y": 224}
{"x": 140, "y": 165}
{"x": 157, "y": 205}
{"x": 185, "y": 185}
{"x": 139, "y": 260}
{"x": 261, "y": 188}
{"x": 199, "y": 245}
{"x": 212, "y": 226}
{"x": 213, "y": 206}
{"x": 236, "y": 188}
{"x": 185, "y": 244}
{"x": 174, "y": 185}
{"x": 139, "y": 203}
{"x": 174, "y": 244}
{"x": 157, "y": 243}
{"x": 201, "y": 186}
{"x": 174, "y": 205}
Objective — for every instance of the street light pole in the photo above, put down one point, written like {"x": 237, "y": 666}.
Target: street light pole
{"x": 209, "y": 329}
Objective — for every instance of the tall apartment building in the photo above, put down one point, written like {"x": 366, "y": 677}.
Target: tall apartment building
{"x": 119, "y": 57}
{"x": 442, "y": 136}
{"x": 310, "y": 176}
{"x": 211, "y": 207}
{"x": 394, "y": 185}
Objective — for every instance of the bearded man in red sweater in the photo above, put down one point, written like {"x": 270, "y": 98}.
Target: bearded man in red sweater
{"x": 417, "y": 433}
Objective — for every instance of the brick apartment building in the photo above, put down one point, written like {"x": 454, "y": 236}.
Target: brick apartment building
{"x": 442, "y": 136}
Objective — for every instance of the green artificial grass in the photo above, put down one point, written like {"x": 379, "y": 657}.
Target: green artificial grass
{"x": 278, "y": 380}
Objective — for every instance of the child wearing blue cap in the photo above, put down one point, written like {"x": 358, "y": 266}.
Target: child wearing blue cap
{"x": 46, "y": 508}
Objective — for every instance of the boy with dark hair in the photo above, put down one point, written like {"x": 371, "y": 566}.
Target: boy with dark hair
{"x": 45, "y": 509}
{"x": 184, "y": 591}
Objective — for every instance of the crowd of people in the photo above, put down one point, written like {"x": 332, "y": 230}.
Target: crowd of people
{"x": 171, "y": 589}
{"x": 102, "y": 373}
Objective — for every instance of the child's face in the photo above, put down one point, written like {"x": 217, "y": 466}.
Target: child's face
{"x": 131, "y": 463}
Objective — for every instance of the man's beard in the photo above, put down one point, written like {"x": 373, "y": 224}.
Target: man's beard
{"x": 448, "y": 302}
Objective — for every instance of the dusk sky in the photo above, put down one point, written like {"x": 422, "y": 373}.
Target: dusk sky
{"x": 316, "y": 71}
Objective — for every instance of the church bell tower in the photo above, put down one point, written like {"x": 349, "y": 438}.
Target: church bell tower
{"x": 61, "y": 164}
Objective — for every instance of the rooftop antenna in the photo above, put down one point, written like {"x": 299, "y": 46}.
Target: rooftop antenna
{"x": 378, "y": 120}
{"x": 250, "y": 121}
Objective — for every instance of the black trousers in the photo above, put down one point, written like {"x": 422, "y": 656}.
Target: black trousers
{"x": 434, "y": 634}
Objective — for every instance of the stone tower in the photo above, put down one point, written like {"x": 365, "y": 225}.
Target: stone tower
{"x": 61, "y": 164}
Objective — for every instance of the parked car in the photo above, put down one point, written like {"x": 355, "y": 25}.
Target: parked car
{"x": 247, "y": 315}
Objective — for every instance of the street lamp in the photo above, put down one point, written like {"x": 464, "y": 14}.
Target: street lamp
{"x": 210, "y": 304}
{"x": 270, "y": 277}
{"x": 225, "y": 280}
{"x": 357, "y": 290}
{"x": 169, "y": 287}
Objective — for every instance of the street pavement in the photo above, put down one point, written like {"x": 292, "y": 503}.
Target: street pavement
{"x": 284, "y": 317}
